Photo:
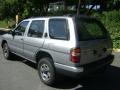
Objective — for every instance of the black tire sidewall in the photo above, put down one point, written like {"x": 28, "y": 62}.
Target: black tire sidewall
{"x": 48, "y": 62}
{"x": 8, "y": 51}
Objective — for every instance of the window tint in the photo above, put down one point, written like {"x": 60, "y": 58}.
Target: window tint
{"x": 21, "y": 28}
{"x": 58, "y": 29}
{"x": 36, "y": 29}
{"x": 90, "y": 29}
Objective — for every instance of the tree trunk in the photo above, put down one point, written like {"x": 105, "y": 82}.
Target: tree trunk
{"x": 78, "y": 8}
{"x": 87, "y": 13}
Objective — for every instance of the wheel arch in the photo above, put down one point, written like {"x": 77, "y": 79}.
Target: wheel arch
{"x": 41, "y": 54}
{"x": 3, "y": 41}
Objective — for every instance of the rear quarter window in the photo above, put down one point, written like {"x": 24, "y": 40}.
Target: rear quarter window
{"x": 58, "y": 29}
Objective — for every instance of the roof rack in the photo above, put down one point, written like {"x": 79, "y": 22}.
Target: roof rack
{"x": 69, "y": 15}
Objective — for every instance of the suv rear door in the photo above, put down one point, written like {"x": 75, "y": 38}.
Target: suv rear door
{"x": 58, "y": 41}
{"x": 93, "y": 40}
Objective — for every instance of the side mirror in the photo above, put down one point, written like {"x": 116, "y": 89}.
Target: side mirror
{"x": 13, "y": 33}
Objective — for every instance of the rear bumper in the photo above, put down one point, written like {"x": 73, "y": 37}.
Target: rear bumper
{"x": 84, "y": 69}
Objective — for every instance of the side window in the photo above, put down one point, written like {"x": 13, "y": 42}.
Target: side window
{"x": 58, "y": 29}
{"x": 20, "y": 30}
{"x": 36, "y": 28}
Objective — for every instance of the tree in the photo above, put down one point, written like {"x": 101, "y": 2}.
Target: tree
{"x": 2, "y": 8}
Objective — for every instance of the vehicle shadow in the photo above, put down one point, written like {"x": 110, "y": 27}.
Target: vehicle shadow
{"x": 20, "y": 59}
{"x": 110, "y": 80}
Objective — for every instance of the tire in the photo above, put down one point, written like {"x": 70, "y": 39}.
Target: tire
{"x": 6, "y": 51}
{"x": 46, "y": 71}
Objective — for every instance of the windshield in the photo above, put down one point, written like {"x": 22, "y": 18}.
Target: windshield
{"x": 90, "y": 29}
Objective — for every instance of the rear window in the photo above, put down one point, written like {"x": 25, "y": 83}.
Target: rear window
{"x": 90, "y": 29}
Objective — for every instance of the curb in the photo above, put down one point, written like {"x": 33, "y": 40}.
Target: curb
{"x": 116, "y": 50}
{"x": 5, "y": 29}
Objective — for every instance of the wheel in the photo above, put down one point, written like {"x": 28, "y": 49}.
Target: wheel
{"x": 6, "y": 51}
{"x": 46, "y": 71}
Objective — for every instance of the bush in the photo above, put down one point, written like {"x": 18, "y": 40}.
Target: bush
{"x": 7, "y": 23}
{"x": 111, "y": 21}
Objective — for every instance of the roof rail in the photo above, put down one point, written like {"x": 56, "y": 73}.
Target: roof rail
{"x": 69, "y": 15}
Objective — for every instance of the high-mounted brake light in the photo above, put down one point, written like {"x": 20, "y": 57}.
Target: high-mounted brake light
{"x": 75, "y": 55}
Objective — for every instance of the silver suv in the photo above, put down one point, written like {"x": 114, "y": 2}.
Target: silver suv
{"x": 66, "y": 45}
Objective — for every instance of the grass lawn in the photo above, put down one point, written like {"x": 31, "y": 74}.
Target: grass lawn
{"x": 7, "y": 23}
{"x": 3, "y": 24}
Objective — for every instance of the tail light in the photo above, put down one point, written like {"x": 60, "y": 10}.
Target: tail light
{"x": 75, "y": 55}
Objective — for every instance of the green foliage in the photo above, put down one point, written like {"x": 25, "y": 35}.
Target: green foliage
{"x": 8, "y": 8}
{"x": 113, "y": 16}
{"x": 25, "y": 13}
{"x": 111, "y": 20}
{"x": 2, "y": 8}
{"x": 7, "y": 23}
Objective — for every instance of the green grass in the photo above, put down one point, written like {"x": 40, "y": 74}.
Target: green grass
{"x": 3, "y": 24}
{"x": 7, "y": 23}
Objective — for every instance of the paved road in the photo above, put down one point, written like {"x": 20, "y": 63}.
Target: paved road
{"x": 18, "y": 74}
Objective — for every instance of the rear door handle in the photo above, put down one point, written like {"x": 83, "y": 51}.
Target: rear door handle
{"x": 22, "y": 39}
